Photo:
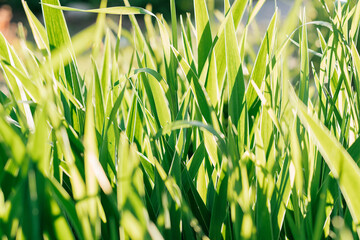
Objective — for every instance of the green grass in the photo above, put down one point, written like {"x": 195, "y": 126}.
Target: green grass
{"x": 196, "y": 130}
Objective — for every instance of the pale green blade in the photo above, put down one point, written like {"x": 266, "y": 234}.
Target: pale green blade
{"x": 109, "y": 10}
{"x": 204, "y": 39}
{"x": 259, "y": 70}
{"x": 55, "y": 24}
{"x": 38, "y": 30}
{"x": 342, "y": 166}
{"x": 236, "y": 85}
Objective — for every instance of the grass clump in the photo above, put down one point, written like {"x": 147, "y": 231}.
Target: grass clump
{"x": 186, "y": 133}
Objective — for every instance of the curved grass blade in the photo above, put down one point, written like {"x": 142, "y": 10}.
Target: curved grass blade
{"x": 38, "y": 30}
{"x": 187, "y": 124}
{"x": 156, "y": 94}
{"x": 236, "y": 85}
{"x": 342, "y": 166}
{"x": 109, "y": 10}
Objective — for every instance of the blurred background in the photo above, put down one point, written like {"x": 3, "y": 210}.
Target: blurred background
{"x": 159, "y": 6}
{"x": 12, "y": 9}
{"x": 13, "y": 21}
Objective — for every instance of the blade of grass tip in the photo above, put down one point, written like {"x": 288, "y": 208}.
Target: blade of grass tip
{"x": 190, "y": 29}
{"x": 111, "y": 118}
{"x": 203, "y": 32}
{"x": 188, "y": 124}
{"x": 38, "y": 30}
{"x": 157, "y": 95}
{"x": 133, "y": 126}
{"x": 236, "y": 85}
{"x": 187, "y": 47}
{"x": 226, "y": 6}
{"x": 166, "y": 45}
{"x": 99, "y": 32}
{"x": 198, "y": 90}
{"x": 117, "y": 47}
{"x": 173, "y": 23}
{"x": 106, "y": 68}
{"x": 255, "y": 11}
{"x": 99, "y": 99}
{"x": 355, "y": 21}
{"x": 14, "y": 83}
{"x": 172, "y": 68}
{"x": 141, "y": 39}
{"x": 259, "y": 70}
{"x": 211, "y": 84}
{"x": 304, "y": 65}
{"x": 55, "y": 24}
{"x": 337, "y": 158}
{"x": 197, "y": 158}
{"x": 30, "y": 87}
{"x": 237, "y": 11}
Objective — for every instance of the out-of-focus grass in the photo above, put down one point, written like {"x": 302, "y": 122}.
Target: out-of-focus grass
{"x": 191, "y": 131}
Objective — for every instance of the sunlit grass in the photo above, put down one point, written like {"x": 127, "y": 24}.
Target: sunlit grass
{"x": 191, "y": 131}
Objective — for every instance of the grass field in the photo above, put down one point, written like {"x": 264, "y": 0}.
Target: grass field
{"x": 196, "y": 130}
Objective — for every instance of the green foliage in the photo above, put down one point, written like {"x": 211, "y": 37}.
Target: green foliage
{"x": 188, "y": 132}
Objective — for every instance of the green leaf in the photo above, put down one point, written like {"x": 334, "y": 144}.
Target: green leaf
{"x": 354, "y": 150}
{"x": 236, "y": 85}
{"x": 156, "y": 94}
{"x": 259, "y": 70}
{"x": 342, "y": 166}
{"x": 204, "y": 39}
{"x": 109, "y": 10}
{"x": 355, "y": 21}
{"x": 197, "y": 89}
{"x": 304, "y": 68}
{"x": 38, "y": 30}
{"x": 236, "y": 11}
{"x": 187, "y": 124}
{"x": 55, "y": 24}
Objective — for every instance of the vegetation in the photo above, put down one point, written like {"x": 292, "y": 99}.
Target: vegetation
{"x": 186, "y": 133}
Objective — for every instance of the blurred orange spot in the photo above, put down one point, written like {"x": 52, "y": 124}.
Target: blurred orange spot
{"x": 7, "y": 28}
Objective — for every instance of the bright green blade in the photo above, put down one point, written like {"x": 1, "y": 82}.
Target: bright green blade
{"x": 55, "y": 24}
{"x": 204, "y": 39}
{"x": 259, "y": 70}
{"x": 109, "y": 10}
{"x": 236, "y": 85}
{"x": 342, "y": 166}
{"x": 38, "y": 30}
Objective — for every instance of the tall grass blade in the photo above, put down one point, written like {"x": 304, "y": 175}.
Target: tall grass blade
{"x": 338, "y": 159}
{"x": 204, "y": 39}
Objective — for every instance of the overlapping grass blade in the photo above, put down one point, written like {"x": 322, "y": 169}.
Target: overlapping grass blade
{"x": 338, "y": 159}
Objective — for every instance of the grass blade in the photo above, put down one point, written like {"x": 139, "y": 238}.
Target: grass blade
{"x": 338, "y": 159}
